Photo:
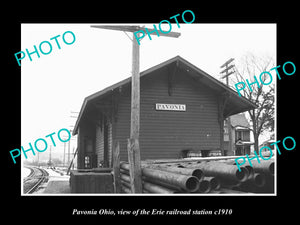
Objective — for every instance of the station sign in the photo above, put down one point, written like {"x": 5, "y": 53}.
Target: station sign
{"x": 170, "y": 107}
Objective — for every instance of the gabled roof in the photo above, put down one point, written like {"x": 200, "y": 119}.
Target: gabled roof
{"x": 235, "y": 104}
{"x": 239, "y": 120}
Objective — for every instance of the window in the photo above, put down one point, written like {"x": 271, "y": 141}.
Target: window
{"x": 239, "y": 135}
{"x": 225, "y": 128}
{"x": 87, "y": 162}
{"x": 243, "y": 135}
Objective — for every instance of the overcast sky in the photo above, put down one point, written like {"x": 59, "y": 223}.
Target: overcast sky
{"x": 56, "y": 84}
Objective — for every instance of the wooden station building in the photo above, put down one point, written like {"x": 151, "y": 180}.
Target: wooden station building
{"x": 182, "y": 109}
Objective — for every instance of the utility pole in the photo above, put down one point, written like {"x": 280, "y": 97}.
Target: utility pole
{"x": 73, "y": 158}
{"x": 50, "y": 156}
{"x": 226, "y": 70}
{"x": 69, "y": 151}
{"x": 38, "y": 159}
{"x": 64, "y": 154}
{"x": 73, "y": 115}
{"x": 133, "y": 143}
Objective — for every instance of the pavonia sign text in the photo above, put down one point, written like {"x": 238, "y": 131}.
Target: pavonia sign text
{"x": 170, "y": 107}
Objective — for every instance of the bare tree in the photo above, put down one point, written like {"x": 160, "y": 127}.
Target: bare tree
{"x": 262, "y": 118}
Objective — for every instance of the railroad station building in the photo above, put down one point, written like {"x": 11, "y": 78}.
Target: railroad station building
{"x": 182, "y": 110}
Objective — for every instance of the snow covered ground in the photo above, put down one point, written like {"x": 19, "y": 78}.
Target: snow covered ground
{"x": 56, "y": 175}
{"x": 25, "y": 172}
{"x": 53, "y": 176}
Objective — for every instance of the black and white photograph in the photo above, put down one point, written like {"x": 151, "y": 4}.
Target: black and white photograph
{"x": 182, "y": 127}
{"x": 157, "y": 115}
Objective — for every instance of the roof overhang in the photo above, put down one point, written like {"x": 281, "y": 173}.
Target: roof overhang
{"x": 235, "y": 103}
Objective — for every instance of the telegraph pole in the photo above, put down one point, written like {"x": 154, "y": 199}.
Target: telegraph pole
{"x": 38, "y": 159}
{"x": 133, "y": 143}
{"x": 50, "y": 163}
{"x": 64, "y": 154}
{"x": 69, "y": 151}
{"x": 73, "y": 115}
{"x": 226, "y": 70}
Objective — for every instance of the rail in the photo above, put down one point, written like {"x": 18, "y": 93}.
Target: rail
{"x": 34, "y": 180}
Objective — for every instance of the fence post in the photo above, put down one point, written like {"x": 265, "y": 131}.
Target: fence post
{"x": 116, "y": 167}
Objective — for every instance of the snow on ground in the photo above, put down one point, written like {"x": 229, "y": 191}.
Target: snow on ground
{"x": 54, "y": 175}
{"x": 25, "y": 172}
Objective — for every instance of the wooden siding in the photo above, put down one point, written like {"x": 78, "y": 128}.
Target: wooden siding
{"x": 163, "y": 134}
{"x": 110, "y": 143}
{"x": 99, "y": 145}
{"x": 86, "y": 145}
{"x": 80, "y": 155}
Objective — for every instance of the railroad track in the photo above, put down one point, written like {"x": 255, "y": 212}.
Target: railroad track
{"x": 34, "y": 180}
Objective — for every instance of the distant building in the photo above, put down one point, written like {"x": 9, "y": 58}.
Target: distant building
{"x": 240, "y": 135}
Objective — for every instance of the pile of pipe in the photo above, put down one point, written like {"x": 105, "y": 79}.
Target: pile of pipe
{"x": 198, "y": 176}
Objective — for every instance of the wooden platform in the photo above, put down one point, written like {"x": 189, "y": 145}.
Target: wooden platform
{"x": 96, "y": 181}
